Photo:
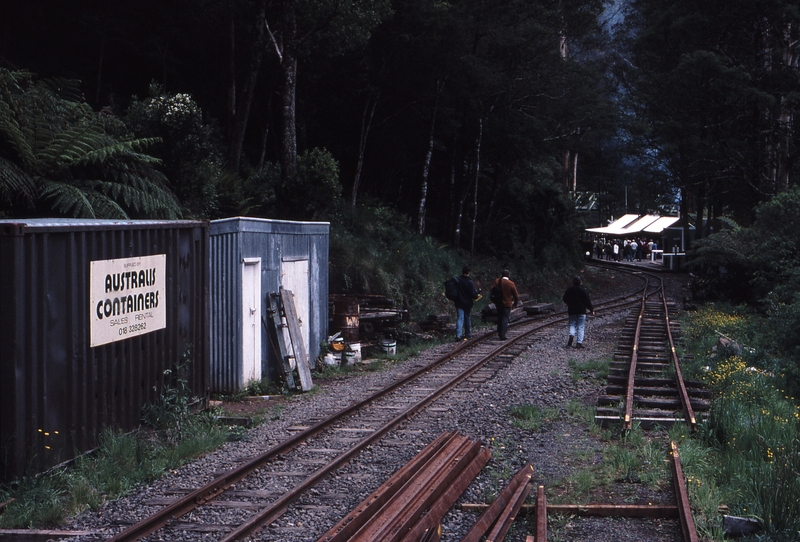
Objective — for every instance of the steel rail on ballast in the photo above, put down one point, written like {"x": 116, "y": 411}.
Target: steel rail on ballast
{"x": 682, "y": 392}
{"x": 628, "y": 420}
{"x": 218, "y": 485}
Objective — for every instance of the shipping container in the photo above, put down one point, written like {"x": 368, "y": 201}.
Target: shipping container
{"x": 95, "y": 315}
{"x": 251, "y": 258}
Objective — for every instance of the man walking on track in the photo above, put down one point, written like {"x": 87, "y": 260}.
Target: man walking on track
{"x": 466, "y": 296}
{"x": 578, "y": 303}
{"x": 509, "y": 298}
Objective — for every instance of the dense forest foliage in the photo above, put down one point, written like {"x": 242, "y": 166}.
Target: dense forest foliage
{"x": 475, "y": 122}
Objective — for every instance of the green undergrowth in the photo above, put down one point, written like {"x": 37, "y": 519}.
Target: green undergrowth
{"x": 532, "y": 417}
{"x": 627, "y": 458}
{"x": 596, "y": 369}
{"x": 172, "y": 434}
{"x": 746, "y": 455}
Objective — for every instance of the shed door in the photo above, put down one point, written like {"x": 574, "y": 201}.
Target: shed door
{"x": 294, "y": 277}
{"x": 251, "y": 320}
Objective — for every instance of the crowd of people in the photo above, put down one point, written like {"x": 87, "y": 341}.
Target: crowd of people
{"x": 623, "y": 249}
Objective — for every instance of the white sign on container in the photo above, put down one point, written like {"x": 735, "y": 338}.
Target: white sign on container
{"x": 127, "y": 298}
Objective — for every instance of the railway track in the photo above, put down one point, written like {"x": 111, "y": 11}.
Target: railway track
{"x": 260, "y": 490}
{"x": 646, "y": 384}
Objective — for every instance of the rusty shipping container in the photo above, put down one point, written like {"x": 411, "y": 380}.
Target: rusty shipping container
{"x": 94, "y": 315}
{"x": 250, "y": 258}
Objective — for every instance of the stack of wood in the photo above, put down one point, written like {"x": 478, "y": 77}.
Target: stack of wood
{"x": 376, "y": 316}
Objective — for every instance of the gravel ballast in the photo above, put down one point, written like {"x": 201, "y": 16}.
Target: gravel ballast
{"x": 540, "y": 376}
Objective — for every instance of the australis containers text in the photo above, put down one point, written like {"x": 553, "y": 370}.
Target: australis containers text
{"x": 127, "y": 298}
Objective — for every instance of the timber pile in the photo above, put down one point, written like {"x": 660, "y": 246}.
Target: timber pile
{"x": 376, "y": 315}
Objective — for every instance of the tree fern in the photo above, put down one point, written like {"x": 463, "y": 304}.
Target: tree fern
{"x": 58, "y": 153}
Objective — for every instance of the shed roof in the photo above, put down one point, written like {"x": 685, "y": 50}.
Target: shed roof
{"x": 632, "y": 224}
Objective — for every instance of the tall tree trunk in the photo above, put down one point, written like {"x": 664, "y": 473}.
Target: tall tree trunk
{"x": 452, "y": 191}
{"x": 366, "y": 123}
{"x": 101, "y": 59}
{"x": 699, "y": 228}
{"x": 791, "y": 59}
{"x": 460, "y": 216}
{"x": 475, "y": 188}
{"x": 289, "y": 92}
{"x": 231, "y": 113}
{"x": 427, "y": 164}
{"x": 242, "y": 111}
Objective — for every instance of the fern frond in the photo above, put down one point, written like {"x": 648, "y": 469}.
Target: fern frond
{"x": 15, "y": 183}
{"x": 66, "y": 199}
{"x": 119, "y": 148}
{"x": 73, "y": 144}
{"x": 142, "y": 196}
{"x": 105, "y": 207}
{"x": 11, "y": 132}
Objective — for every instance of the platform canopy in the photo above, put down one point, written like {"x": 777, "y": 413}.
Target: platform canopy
{"x": 633, "y": 224}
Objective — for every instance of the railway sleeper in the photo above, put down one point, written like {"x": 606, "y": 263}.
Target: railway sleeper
{"x": 626, "y": 358}
{"x": 665, "y": 391}
{"x": 654, "y": 402}
{"x": 654, "y": 382}
{"x": 644, "y": 422}
{"x": 646, "y": 366}
{"x": 644, "y": 374}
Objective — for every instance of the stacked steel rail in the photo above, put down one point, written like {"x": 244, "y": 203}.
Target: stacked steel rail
{"x": 436, "y": 376}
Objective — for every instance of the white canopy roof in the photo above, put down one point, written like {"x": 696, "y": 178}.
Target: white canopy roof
{"x": 616, "y": 227}
{"x": 631, "y": 224}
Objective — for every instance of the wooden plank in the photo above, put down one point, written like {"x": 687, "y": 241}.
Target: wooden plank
{"x": 277, "y": 328}
{"x": 300, "y": 352}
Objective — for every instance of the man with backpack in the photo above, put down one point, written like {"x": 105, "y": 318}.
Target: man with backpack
{"x": 463, "y": 294}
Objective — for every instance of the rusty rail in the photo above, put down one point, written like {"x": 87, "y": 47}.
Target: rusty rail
{"x": 429, "y": 484}
{"x": 510, "y": 499}
{"x": 541, "y": 515}
{"x": 218, "y": 485}
{"x": 682, "y": 495}
{"x": 682, "y": 392}
{"x": 628, "y": 421}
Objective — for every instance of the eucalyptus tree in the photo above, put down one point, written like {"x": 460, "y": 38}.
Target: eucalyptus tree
{"x": 718, "y": 84}
{"x": 59, "y": 157}
{"x": 313, "y": 27}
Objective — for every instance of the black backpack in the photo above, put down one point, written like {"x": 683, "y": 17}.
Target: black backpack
{"x": 451, "y": 288}
{"x": 496, "y": 294}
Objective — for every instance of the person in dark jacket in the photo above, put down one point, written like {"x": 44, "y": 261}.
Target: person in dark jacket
{"x": 510, "y": 300}
{"x": 467, "y": 294}
{"x": 578, "y": 303}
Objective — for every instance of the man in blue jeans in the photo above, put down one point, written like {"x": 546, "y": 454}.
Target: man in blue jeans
{"x": 578, "y": 304}
{"x": 467, "y": 294}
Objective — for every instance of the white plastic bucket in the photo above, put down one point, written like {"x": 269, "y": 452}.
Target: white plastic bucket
{"x": 355, "y": 348}
{"x": 331, "y": 359}
{"x": 389, "y": 347}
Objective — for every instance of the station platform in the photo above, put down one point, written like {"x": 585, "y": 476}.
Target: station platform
{"x": 658, "y": 262}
